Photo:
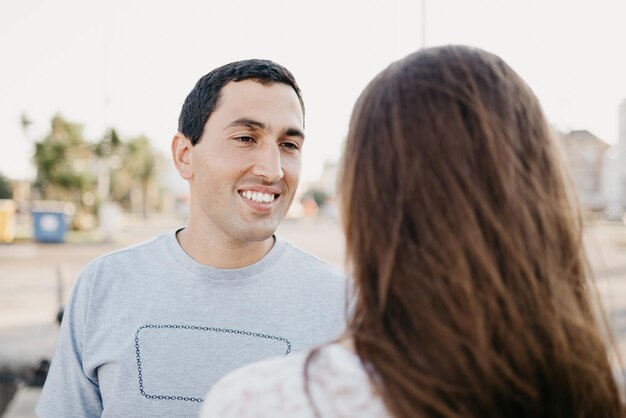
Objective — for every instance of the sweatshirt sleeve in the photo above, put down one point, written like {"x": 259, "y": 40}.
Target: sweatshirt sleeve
{"x": 69, "y": 390}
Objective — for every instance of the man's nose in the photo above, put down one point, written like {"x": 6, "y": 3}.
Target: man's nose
{"x": 268, "y": 164}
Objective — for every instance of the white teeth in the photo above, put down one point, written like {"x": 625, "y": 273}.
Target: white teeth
{"x": 259, "y": 197}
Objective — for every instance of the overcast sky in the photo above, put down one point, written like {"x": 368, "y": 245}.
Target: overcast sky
{"x": 130, "y": 63}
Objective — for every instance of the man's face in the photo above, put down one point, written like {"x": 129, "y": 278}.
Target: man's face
{"x": 246, "y": 166}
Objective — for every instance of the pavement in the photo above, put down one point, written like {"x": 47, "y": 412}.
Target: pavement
{"x": 35, "y": 279}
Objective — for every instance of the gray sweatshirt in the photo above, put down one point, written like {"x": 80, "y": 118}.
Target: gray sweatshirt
{"x": 148, "y": 330}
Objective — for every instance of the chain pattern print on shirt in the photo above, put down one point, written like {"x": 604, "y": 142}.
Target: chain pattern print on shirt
{"x": 193, "y": 328}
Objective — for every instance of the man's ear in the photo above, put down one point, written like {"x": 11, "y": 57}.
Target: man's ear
{"x": 181, "y": 154}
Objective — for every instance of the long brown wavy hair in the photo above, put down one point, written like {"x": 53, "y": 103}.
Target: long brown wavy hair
{"x": 473, "y": 295}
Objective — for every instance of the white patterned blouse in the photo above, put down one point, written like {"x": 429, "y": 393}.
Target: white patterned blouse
{"x": 274, "y": 388}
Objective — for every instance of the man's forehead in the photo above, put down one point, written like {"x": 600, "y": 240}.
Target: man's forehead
{"x": 244, "y": 89}
{"x": 251, "y": 99}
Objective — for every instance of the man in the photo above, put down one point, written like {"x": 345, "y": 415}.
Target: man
{"x": 150, "y": 328}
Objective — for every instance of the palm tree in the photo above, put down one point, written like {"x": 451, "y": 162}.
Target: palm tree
{"x": 64, "y": 163}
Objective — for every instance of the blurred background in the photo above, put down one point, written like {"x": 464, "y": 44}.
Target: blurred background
{"x": 90, "y": 94}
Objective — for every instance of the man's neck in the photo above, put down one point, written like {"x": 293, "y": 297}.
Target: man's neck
{"x": 209, "y": 250}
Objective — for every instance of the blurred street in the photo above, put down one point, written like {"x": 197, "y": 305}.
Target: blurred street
{"x": 36, "y": 278}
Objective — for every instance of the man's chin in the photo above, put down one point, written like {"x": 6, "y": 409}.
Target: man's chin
{"x": 258, "y": 229}
{"x": 258, "y": 235}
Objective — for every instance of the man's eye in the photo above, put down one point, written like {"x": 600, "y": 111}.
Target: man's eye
{"x": 291, "y": 145}
{"x": 245, "y": 139}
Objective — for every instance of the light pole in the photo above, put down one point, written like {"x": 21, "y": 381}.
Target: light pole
{"x": 423, "y": 23}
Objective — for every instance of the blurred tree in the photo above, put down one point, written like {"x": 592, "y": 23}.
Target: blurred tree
{"x": 70, "y": 169}
{"x": 109, "y": 145}
{"x": 25, "y": 122}
{"x": 135, "y": 181}
{"x": 6, "y": 191}
{"x": 64, "y": 163}
{"x": 108, "y": 153}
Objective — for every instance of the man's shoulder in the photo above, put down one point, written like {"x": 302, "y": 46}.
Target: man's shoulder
{"x": 304, "y": 260}
{"x": 106, "y": 272}
{"x": 134, "y": 254}
{"x": 302, "y": 267}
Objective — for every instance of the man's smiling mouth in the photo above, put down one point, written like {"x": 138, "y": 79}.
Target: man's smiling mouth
{"x": 258, "y": 196}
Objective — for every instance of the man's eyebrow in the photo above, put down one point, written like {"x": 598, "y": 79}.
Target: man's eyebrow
{"x": 293, "y": 132}
{"x": 254, "y": 124}
{"x": 248, "y": 123}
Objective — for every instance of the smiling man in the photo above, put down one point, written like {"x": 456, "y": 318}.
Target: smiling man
{"x": 150, "y": 328}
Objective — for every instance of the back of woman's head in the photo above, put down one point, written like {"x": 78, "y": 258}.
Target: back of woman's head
{"x": 465, "y": 247}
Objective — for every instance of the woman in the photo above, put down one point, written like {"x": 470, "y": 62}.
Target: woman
{"x": 466, "y": 251}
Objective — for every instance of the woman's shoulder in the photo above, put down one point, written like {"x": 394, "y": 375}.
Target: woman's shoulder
{"x": 276, "y": 387}
{"x": 258, "y": 375}
{"x": 268, "y": 388}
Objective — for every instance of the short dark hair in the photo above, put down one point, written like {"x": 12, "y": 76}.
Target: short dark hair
{"x": 204, "y": 97}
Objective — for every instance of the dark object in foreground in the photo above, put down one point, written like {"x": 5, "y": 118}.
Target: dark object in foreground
{"x": 35, "y": 376}
{"x": 10, "y": 381}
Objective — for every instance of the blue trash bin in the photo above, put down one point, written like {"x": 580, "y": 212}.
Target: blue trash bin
{"x": 49, "y": 226}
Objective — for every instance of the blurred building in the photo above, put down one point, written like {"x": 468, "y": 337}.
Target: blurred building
{"x": 621, "y": 153}
{"x": 615, "y": 172}
{"x": 326, "y": 186}
{"x": 585, "y": 156}
{"x": 611, "y": 185}
{"x": 327, "y": 182}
